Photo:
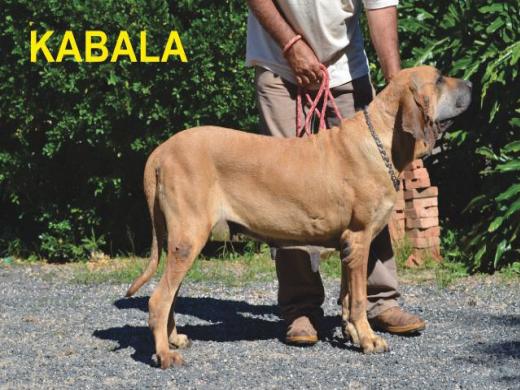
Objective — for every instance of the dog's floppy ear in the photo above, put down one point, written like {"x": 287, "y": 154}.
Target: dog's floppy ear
{"x": 410, "y": 115}
{"x": 415, "y": 117}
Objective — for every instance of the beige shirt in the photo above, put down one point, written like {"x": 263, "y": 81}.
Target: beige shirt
{"x": 330, "y": 27}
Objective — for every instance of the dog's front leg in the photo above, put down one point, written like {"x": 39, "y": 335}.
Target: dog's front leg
{"x": 354, "y": 265}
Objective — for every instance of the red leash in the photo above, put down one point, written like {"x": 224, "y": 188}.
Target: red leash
{"x": 323, "y": 91}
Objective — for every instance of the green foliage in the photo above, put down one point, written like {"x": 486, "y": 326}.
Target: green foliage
{"x": 495, "y": 235}
{"x": 75, "y": 136}
{"x": 330, "y": 267}
{"x": 122, "y": 270}
{"x": 451, "y": 247}
{"x": 448, "y": 272}
{"x": 402, "y": 251}
{"x": 512, "y": 271}
{"x": 232, "y": 270}
{"x": 476, "y": 40}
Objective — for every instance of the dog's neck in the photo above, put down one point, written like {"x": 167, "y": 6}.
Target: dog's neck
{"x": 384, "y": 113}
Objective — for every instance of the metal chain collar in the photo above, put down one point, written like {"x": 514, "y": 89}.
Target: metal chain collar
{"x": 395, "y": 180}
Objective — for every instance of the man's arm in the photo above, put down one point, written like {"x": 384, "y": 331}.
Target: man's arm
{"x": 382, "y": 23}
{"x": 300, "y": 56}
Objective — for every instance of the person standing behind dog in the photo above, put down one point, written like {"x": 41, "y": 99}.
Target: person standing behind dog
{"x": 286, "y": 42}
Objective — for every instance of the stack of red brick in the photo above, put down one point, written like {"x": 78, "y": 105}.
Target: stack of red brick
{"x": 416, "y": 214}
{"x": 397, "y": 223}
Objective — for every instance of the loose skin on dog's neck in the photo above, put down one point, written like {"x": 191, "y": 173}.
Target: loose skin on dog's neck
{"x": 356, "y": 148}
{"x": 384, "y": 112}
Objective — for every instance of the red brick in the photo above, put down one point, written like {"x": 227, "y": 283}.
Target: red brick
{"x": 399, "y": 204}
{"x": 430, "y": 232}
{"x": 422, "y": 212}
{"x": 421, "y": 223}
{"x": 396, "y": 228}
{"x": 418, "y": 194}
{"x": 413, "y": 261}
{"x": 420, "y": 173}
{"x": 412, "y": 184}
{"x": 414, "y": 165}
{"x": 420, "y": 254}
{"x": 421, "y": 203}
{"x": 398, "y": 214}
{"x": 434, "y": 252}
{"x": 425, "y": 242}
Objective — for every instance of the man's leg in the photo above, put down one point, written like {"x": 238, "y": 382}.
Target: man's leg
{"x": 276, "y": 99}
{"x": 382, "y": 276}
{"x": 300, "y": 292}
{"x": 382, "y": 309}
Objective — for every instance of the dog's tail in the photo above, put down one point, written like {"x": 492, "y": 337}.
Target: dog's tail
{"x": 151, "y": 181}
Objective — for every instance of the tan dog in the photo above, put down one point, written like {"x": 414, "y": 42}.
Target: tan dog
{"x": 331, "y": 189}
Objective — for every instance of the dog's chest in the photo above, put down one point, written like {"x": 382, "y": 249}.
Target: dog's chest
{"x": 383, "y": 212}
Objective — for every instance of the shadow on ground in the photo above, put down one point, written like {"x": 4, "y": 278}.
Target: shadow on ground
{"x": 224, "y": 321}
{"x": 494, "y": 355}
{"x": 502, "y": 350}
{"x": 488, "y": 353}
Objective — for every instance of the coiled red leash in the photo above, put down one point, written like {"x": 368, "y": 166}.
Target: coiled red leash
{"x": 323, "y": 91}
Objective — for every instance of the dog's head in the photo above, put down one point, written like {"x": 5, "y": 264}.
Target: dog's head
{"x": 428, "y": 103}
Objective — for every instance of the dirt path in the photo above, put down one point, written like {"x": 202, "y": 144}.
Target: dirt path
{"x": 55, "y": 334}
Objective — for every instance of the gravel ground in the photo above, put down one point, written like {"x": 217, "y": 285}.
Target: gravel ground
{"x": 54, "y": 334}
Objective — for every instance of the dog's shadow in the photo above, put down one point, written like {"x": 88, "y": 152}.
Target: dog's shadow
{"x": 220, "y": 320}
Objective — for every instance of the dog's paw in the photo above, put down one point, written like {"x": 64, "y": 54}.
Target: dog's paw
{"x": 374, "y": 344}
{"x": 180, "y": 341}
{"x": 167, "y": 359}
{"x": 350, "y": 332}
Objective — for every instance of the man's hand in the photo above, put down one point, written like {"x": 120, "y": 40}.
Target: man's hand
{"x": 382, "y": 24}
{"x": 300, "y": 56}
{"x": 304, "y": 63}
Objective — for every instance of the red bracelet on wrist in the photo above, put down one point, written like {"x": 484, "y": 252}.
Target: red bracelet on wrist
{"x": 290, "y": 44}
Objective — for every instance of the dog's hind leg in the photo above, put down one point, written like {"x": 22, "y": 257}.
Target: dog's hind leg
{"x": 183, "y": 248}
{"x": 176, "y": 340}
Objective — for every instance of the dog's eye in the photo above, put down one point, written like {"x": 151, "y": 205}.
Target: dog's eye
{"x": 439, "y": 80}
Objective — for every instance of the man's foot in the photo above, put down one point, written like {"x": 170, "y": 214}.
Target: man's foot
{"x": 301, "y": 332}
{"x": 397, "y": 321}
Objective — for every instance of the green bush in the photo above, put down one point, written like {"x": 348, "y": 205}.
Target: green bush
{"x": 479, "y": 41}
{"x": 75, "y": 136}
{"x": 499, "y": 209}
